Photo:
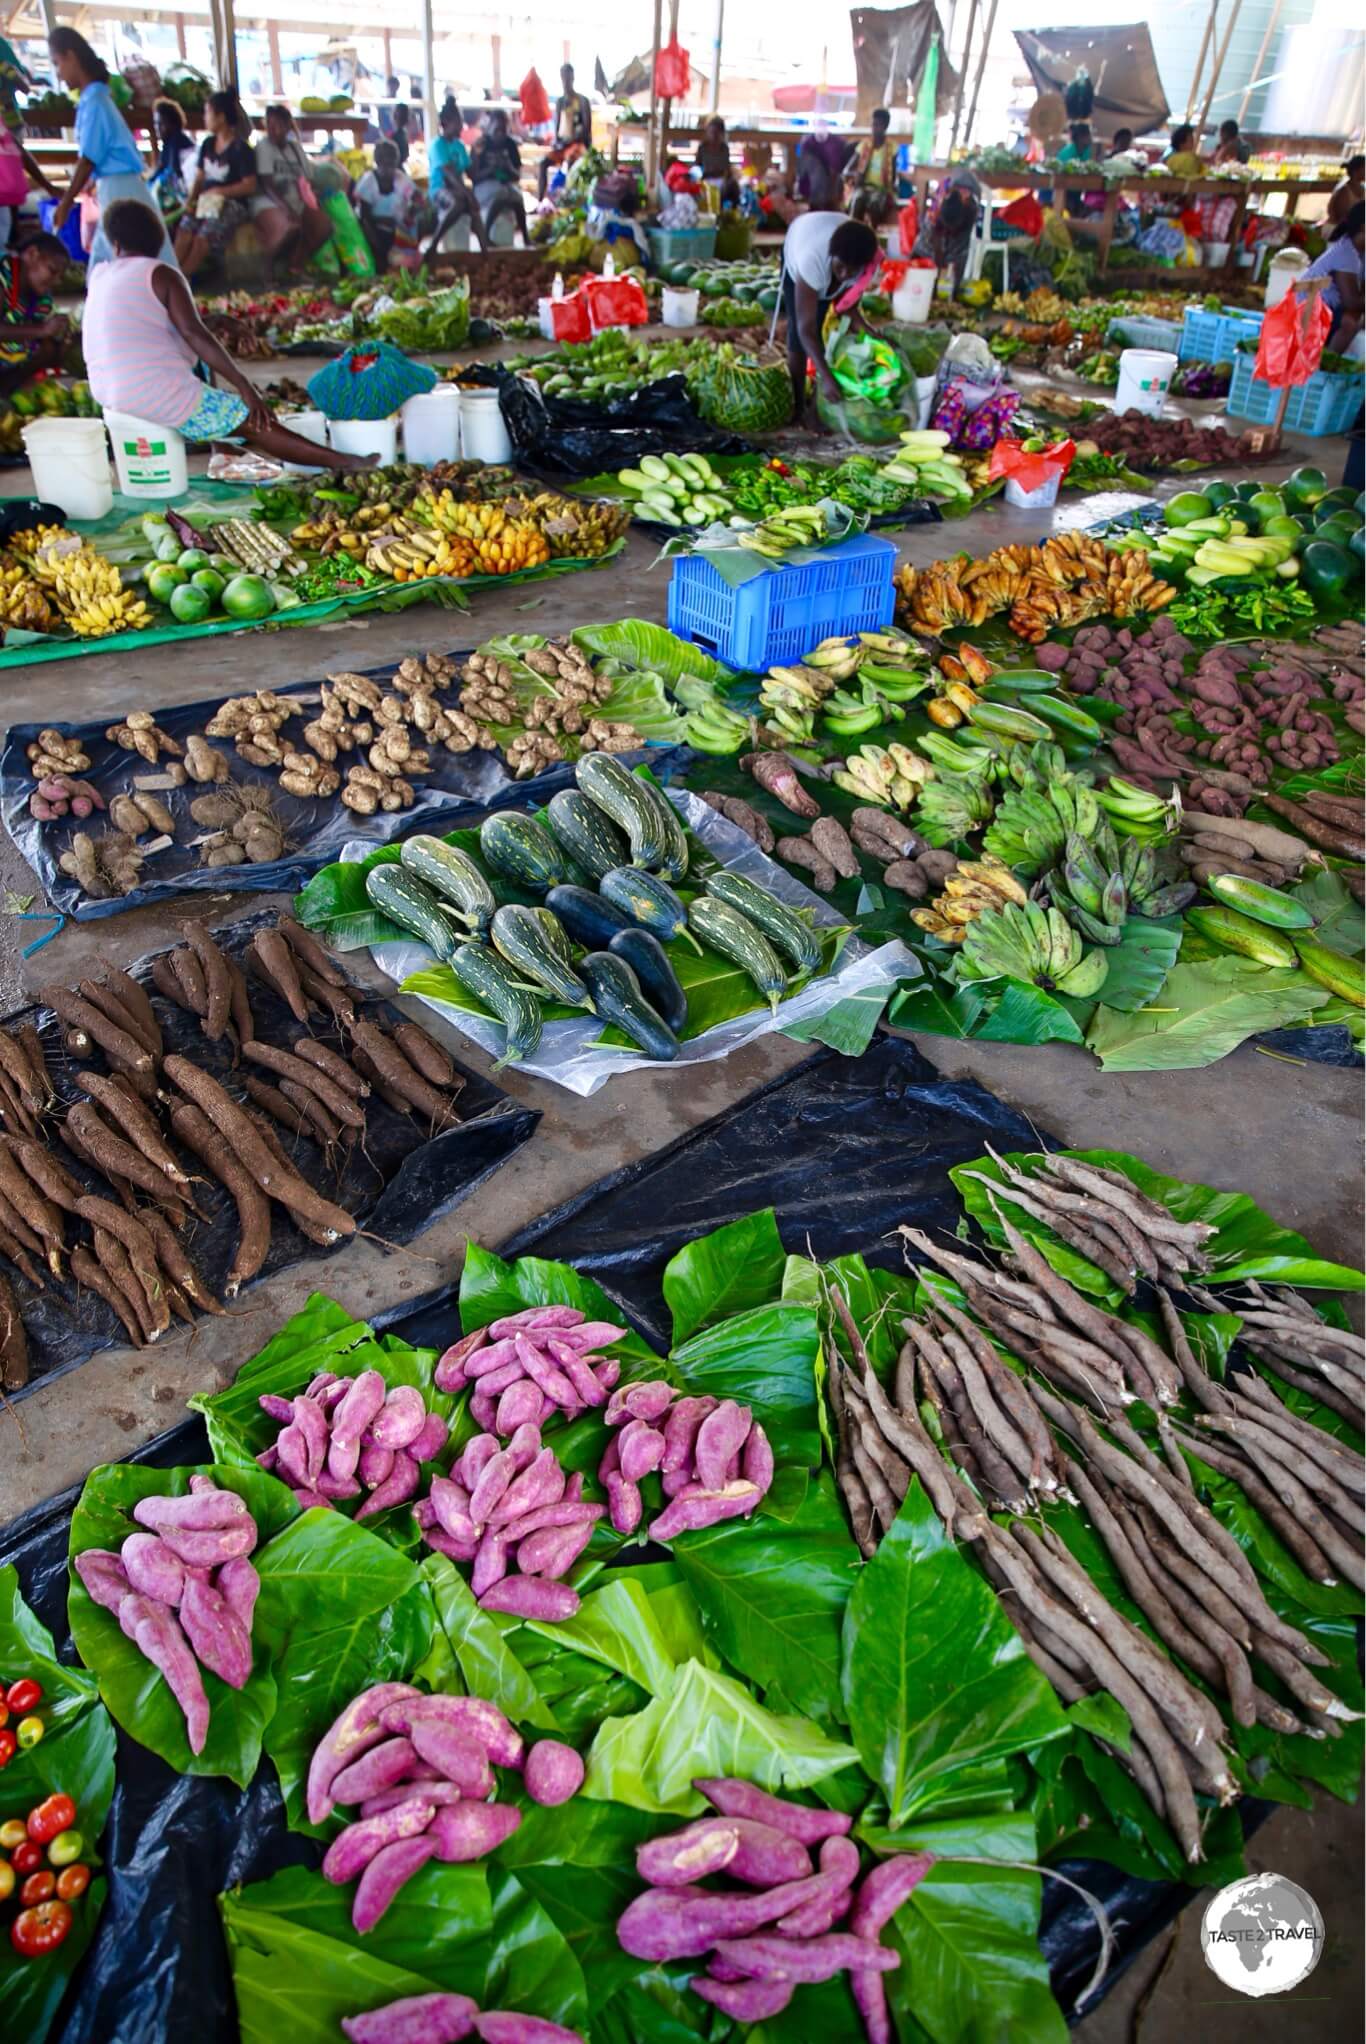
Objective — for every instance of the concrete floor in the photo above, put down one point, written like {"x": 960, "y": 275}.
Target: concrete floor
{"x": 1289, "y": 1135}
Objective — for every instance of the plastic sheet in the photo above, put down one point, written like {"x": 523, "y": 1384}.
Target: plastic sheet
{"x": 844, "y": 1150}
{"x": 569, "y": 1052}
{"x": 569, "y": 436}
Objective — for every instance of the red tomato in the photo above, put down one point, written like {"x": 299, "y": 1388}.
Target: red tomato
{"x": 9, "y": 1746}
{"x": 41, "y": 1929}
{"x": 73, "y": 1881}
{"x": 27, "y": 1858}
{"x": 4, "y": 1715}
{"x": 22, "y": 1696}
{"x": 39, "y": 1887}
{"x": 53, "y": 1814}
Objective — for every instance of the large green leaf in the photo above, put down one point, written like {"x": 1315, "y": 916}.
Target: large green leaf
{"x": 1206, "y": 1010}
{"x": 971, "y": 1970}
{"x": 931, "y": 1008}
{"x": 491, "y": 1288}
{"x": 729, "y": 1271}
{"x": 26, "y": 1650}
{"x": 470, "y": 1649}
{"x": 1026, "y": 1014}
{"x": 652, "y": 649}
{"x": 708, "y": 1724}
{"x": 922, "y": 1710}
{"x": 1138, "y": 965}
{"x": 578, "y": 1861}
{"x": 766, "y": 1359}
{"x": 1339, "y": 922}
{"x": 848, "y": 1026}
{"x": 616, "y": 1625}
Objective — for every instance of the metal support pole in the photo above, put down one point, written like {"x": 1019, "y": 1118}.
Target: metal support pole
{"x": 652, "y": 137}
{"x": 1198, "y": 72}
{"x": 981, "y": 67}
{"x": 223, "y": 28}
{"x": 1218, "y": 67}
{"x": 1256, "y": 79}
{"x": 716, "y": 54}
{"x": 428, "y": 70}
{"x": 962, "y": 75}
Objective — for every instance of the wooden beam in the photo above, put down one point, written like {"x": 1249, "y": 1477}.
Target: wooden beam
{"x": 1255, "y": 80}
{"x": 981, "y": 67}
{"x": 1218, "y": 67}
{"x": 388, "y": 56}
{"x": 962, "y": 76}
{"x": 496, "y": 48}
{"x": 277, "y": 76}
{"x": 652, "y": 145}
{"x": 1198, "y": 72}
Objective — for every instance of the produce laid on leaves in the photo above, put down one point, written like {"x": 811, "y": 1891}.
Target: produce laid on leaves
{"x": 43, "y": 1874}
{"x": 52, "y": 579}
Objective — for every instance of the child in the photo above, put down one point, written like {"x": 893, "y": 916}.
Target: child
{"x": 448, "y": 188}
{"x": 387, "y": 201}
{"x": 31, "y": 338}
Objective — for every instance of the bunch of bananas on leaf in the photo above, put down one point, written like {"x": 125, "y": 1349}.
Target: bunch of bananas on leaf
{"x": 335, "y": 531}
{"x": 976, "y": 887}
{"x": 411, "y": 556}
{"x": 1139, "y": 812}
{"x": 29, "y": 542}
{"x": 791, "y": 698}
{"x": 1045, "y": 806}
{"x": 1034, "y": 944}
{"x": 783, "y": 532}
{"x": 22, "y": 603}
{"x": 87, "y": 589}
{"x": 889, "y": 776}
{"x": 712, "y": 726}
{"x": 954, "y": 806}
{"x": 1098, "y": 884}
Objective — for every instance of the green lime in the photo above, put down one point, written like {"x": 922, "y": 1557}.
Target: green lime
{"x": 1266, "y": 504}
{"x": 248, "y": 597}
{"x": 190, "y": 605}
{"x": 210, "y": 581}
{"x": 163, "y": 580}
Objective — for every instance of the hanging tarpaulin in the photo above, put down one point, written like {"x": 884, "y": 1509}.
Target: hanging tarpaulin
{"x": 926, "y": 93}
{"x": 1121, "y": 67}
{"x": 891, "y": 54}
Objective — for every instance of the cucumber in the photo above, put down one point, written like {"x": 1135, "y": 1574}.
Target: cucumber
{"x": 1239, "y": 933}
{"x": 649, "y": 962}
{"x": 521, "y": 936}
{"x": 590, "y": 919}
{"x": 618, "y": 998}
{"x": 1343, "y": 976}
{"x": 519, "y": 850}
{"x": 633, "y": 479}
{"x": 1007, "y": 720}
{"x": 485, "y": 975}
{"x": 1022, "y": 680}
{"x": 453, "y": 875}
{"x": 648, "y": 900}
{"x": 1263, "y": 904}
{"x": 407, "y": 901}
{"x": 653, "y": 466}
{"x": 624, "y": 798}
{"x": 1067, "y": 718}
{"x": 789, "y": 931}
{"x": 584, "y": 832}
{"x": 726, "y": 930}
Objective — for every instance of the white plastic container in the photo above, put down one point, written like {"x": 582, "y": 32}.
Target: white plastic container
{"x": 309, "y": 425}
{"x": 1033, "y": 500}
{"x": 913, "y": 297}
{"x": 1215, "y": 253}
{"x": 545, "y": 308}
{"x": 70, "y": 463}
{"x": 483, "y": 436}
{"x": 150, "y": 459}
{"x": 680, "y": 306}
{"x": 431, "y": 426}
{"x": 366, "y": 436}
{"x": 925, "y": 388}
{"x": 1281, "y": 272}
{"x": 1145, "y": 377}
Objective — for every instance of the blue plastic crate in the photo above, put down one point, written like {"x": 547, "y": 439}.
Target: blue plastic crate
{"x": 681, "y": 244}
{"x": 1326, "y": 404}
{"x": 1213, "y": 336}
{"x": 774, "y": 618}
{"x": 1133, "y": 331}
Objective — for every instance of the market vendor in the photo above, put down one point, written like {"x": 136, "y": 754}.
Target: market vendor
{"x": 1341, "y": 265}
{"x": 828, "y": 260}
{"x": 31, "y": 335}
{"x": 142, "y": 338}
{"x": 448, "y": 185}
{"x": 1350, "y": 192}
{"x": 387, "y": 204}
{"x": 495, "y": 172}
{"x": 174, "y": 174}
{"x": 106, "y": 151}
{"x": 290, "y": 224}
{"x": 573, "y": 128}
{"x": 1182, "y": 159}
{"x": 872, "y": 174}
{"x": 713, "y": 161}
{"x": 224, "y": 184}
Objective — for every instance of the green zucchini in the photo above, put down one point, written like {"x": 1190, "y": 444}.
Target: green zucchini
{"x": 624, "y": 798}
{"x": 648, "y": 900}
{"x": 590, "y": 919}
{"x": 519, "y": 850}
{"x": 675, "y": 861}
{"x": 453, "y": 875}
{"x": 1263, "y": 904}
{"x": 493, "y": 983}
{"x": 585, "y": 833}
{"x": 1068, "y": 718}
{"x": 523, "y": 939}
{"x": 408, "y": 901}
{"x": 649, "y": 961}
{"x": 789, "y": 931}
{"x": 726, "y": 930}
{"x": 618, "y": 998}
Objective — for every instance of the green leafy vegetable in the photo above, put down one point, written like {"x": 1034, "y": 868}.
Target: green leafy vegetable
{"x": 1206, "y": 1011}
{"x": 729, "y": 1271}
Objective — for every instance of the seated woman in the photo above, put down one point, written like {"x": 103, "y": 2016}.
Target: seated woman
{"x": 31, "y": 336}
{"x": 1341, "y": 267}
{"x": 174, "y": 173}
{"x": 1183, "y": 159}
{"x": 713, "y": 160}
{"x": 387, "y": 203}
{"x": 142, "y": 337}
{"x": 872, "y": 175}
{"x": 448, "y": 188}
{"x": 290, "y": 224}
{"x": 496, "y": 171}
{"x": 224, "y": 182}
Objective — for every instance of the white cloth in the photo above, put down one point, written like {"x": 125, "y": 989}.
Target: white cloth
{"x": 806, "y": 249}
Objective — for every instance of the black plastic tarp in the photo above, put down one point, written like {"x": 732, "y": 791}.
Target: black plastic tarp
{"x": 570, "y": 436}
{"x": 843, "y": 1150}
{"x": 891, "y": 45}
{"x": 1122, "y": 66}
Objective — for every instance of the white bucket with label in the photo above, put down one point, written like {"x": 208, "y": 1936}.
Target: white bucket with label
{"x": 431, "y": 426}
{"x": 1033, "y": 500}
{"x": 150, "y": 458}
{"x": 679, "y": 306}
{"x": 366, "y": 436}
{"x": 1216, "y": 254}
{"x": 70, "y": 463}
{"x": 1145, "y": 377}
{"x": 483, "y": 436}
{"x": 309, "y": 425}
{"x": 913, "y": 297}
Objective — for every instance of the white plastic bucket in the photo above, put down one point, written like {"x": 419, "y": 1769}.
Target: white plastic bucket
{"x": 483, "y": 436}
{"x": 309, "y": 425}
{"x": 150, "y": 458}
{"x": 1033, "y": 500}
{"x": 366, "y": 436}
{"x": 680, "y": 306}
{"x": 1216, "y": 254}
{"x": 1145, "y": 377}
{"x": 925, "y": 388}
{"x": 70, "y": 463}
{"x": 1285, "y": 266}
{"x": 913, "y": 297}
{"x": 431, "y": 426}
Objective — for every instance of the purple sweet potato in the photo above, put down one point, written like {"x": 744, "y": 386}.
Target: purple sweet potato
{"x": 469, "y": 1831}
{"x": 437, "y": 1792}
{"x": 532, "y": 1597}
{"x": 239, "y": 1585}
{"x": 839, "y": 1857}
{"x": 756, "y": 1463}
{"x": 379, "y": 1769}
{"x": 552, "y": 1772}
{"x": 420, "y": 2019}
{"x": 693, "y": 1509}
{"x": 152, "y": 1569}
{"x": 723, "y": 1433}
{"x": 768, "y": 1958}
{"x": 353, "y": 1732}
{"x": 885, "y": 1889}
{"x": 353, "y": 1849}
{"x": 103, "y": 1576}
{"x": 554, "y": 1550}
{"x": 681, "y": 1857}
{"x": 548, "y": 1376}
{"x": 385, "y": 1875}
{"x": 682, "y": 1923}
{"x": 540, "y": 1483}
{"x": 474, "y": 1717}
{"x": 400, "y": 1419}
{"x": 522, "y": 1402}
{"x": 448, "y": 1544}
{"x": 218, "y": 1636}
{"x": 510, "y": 2026}
{"x": 358, "y": 1407}
{"x": 591, "y": 1334}
{"x": 397, "y": 1487}
{"x": 202, "y": 1511}
{"x": 568, "y": 1512}
{"x": 208, "y": 1550}
{"x": 490, "y": 1562}
{"x": 578, "y": 1370}
{"x": 492, "y": 1359}
{"x": 452, "y": 1367}
{"x": 624, "y": 1501}
{"x": 649, "y": 1400}
{"x": 453, "y": 1755}
{"x": 374, "y": 1465}
{"x": 156, "y": 1633}
{"x": 747, "y": 2001}
{"x": 734, "y": 1798}
{"x": 493, "y": 1480}
{"x": 310, "y": 1422}
{"x": 680, "y": 1431}
{"x": 535, "y": 1317}
{"x": 640, "y": 1448}
{"x": 431, "y": 1440}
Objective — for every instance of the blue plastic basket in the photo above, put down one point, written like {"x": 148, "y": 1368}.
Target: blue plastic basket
{"x": 70, "y": 234}
{"x": 774, "y": 618}
{"x": 1143, "y": 332}
{"x": 1326, "y": 404}
{"x": 681, "y": 244}
{"x": 1213, "y": 336}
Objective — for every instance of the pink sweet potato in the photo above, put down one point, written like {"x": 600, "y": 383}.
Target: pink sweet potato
{"x": 208, "y": 1550}
{"x": 385, "y": 1875}
{"x": 838, "y": 1857}
{"x": 532, "y": 1597}
{"x": 490, "y": 1562}
{"x": 492, "y": 1359}
{"x": 691, "y": 1510}
{"x": 218, "y": 1636}
{"x": 723, "y": 1433}
{"x": 552, "y": 1772}
{"x": 591, "y": 1334}
{"x": 568, "y": 1512}
{"x": 493, "y": 1480}
{"x": 540, "y": 1483}
{"x": 535, "y": 1317}
{"x": 397, "y": 1487}
{"x": 431, "y": 1440}
{"x": 202, "y": 1511}
{"x": 152, "y": 1569}
{"x": 681, "y": 1857}
{"x": 768, "y": 1958}
{"x": 554, "y": 1550}
{"x": 885, "y": 1889}
{"x": 680, "y": 1431}
{"x": 420, "y": 2019}
{"x": 578, "y": 1370}
{"x": 648, "y": 1400}
{"x": 452, "y": 1367}
{"x": 374, "y": 1465}
{"x": 437, "y": 1792}
{"x": 756, "y": 1463}
{"x": 379, "y": 1769}
{"x": 682, "y": 1923}
{"x": 472, "y": 1716}
{"x": 640, "y": 1448}
{"x": 521, "y": 1402}
{"x": 354, "y": 1848}
{"x": 510, "y": 2026}
{"x": 747, "y": 2001}
{"x": 546, "y": 1375}
{"x": 448, "y": 1544}
{"x": 735, "y": 1798}
{"x": 358, "y": 1407}
{"x": 239, "y": 1585}
{"x": 400, "y": 1419}
{"x": 155, "y": 1632}
{"x": 352, "y": 1733}
{"x": 469, "y": 1831}
{"x": 624, "y": 1501}
{"x": 453, "y": 1755}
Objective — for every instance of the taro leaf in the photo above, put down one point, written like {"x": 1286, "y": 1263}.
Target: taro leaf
{"x": 764, "y": 1358}
{"x": 1206, "y": 1011}
{"x": 772, "y": 1597}
{"x": 1140, "y": 962}
{"x": 1339, "y": 923}
{"x": 1026, "y": 1014}
{"x": 290, "y": 1982}
{"x": 581, "y": 1692}
{"x": 26, "y": 1651}
{"x": 652, "y": 650}
{"x": 971, "y": 1970}
{"x": 490, "y": 1288}
{"x": 928, "y": 1008}
{"x": 729, "y": 1271}
{"x": 335, "y": 903}
{"x": 847, "y": 1027}
{"x": 137, "y": 1696}
{"x": 919, "y": 1714}
{"x": 616, "y": 1625}
{"x": 578, "y": 1862}
{"x": 877, "y": 1300}
{"x": 708, "y": 1724}
{"x": 469, "y": 1650}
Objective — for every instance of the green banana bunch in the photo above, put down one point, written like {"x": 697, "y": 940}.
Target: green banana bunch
{"x": 792, "y": 696}
{"x": 1098, "y": 885}
{"x": 1034, "y": 944}
{"x": 953, "y": 807}
{"x": 1137, "y": 812}
{"x": 1034, "y": 821}
{"x": 714, "y": 728}
{"x": 888, "y": 776}
{"x": 782, "y": 532}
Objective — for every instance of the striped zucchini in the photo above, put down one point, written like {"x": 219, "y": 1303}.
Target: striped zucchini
{"x": 585, "y": 833}
{"x": 726, "y": 930}
{"x": 453, "y": 875}
{"x": 674, "y": 864}
{"x": 407, "y": 901}
{"x": 493, "y": 983}
{"x": 519, "y": 850}
{"x": 789, "y": 931}
{"x": 618, "y": 998}
{"x": 624, "y": 798}
{"x": 521, "y": 936}
{"x": 648, "y": 900}
{"x": 1067, "y": 718}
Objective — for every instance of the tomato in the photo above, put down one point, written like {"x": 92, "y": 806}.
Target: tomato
{"x": 9, "y": 1746}
{"x": 39, "y": 1887}
{"x": 53, "y": 1814}
{"x": 6, "y": 1880}
{"x": 23, "y": 1696}
{"x": 27, "y": 1858}
{"x": 42, "y": 1929}
{"x": 13, "y": 1832}
{"x": 65, "y": 1847}
{"x": 28, "y": 1732}
{"x": 73, "y": 1881}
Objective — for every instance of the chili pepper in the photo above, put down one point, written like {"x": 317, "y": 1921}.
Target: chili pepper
{"x": 23, "y": 1696}
{"x": 27, "y": 1858}
{"x": 29, "y": 1731}
{"x": 55, "y": 1813}
{"x": 39, "y": 1887}
{"x": 13, "y": 1832}
{"x": 9, "y": 1746}
{"x": 73, "y": 1881}
{"x": 35, "y": 1932}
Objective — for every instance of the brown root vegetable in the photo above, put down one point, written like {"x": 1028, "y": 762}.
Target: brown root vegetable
{"x": 1348, "y": 842}
{"x": 233, "y": 1122}
{"x": 118, "y": 1158}
{"x": 832, "y": 841}
{"x": 109, "y": 1004}
{"x": 112, "y": 1258}
{"x": 18, "y": 1069}
{"x": 51, "y": 1177}
{"x": 884, "y": 836}
{"x": 34, "y": 1218}
{"x": 339, "y": 1102}
{"x": 907, "y": 877}
{"x": 392, "y": 1100}
{"x": 425, "y": 1054}
{"x": 1265, "y": 839}
{"x": 936, "y": 866}
{"x": 325, "y": 1129}
{"x": 190, "y": 974}
{"x": 404, "y": 1079}
{"x": 273, "y": 1102}
{"x": 199, "y": 1134}
{"x": 746, "y": 818}
{"x": 86, "y": 1271}
{"x": 13, "y": 1341}
{"x": 239, "y": 1001}
{"x": 139, "y": 1248}
{"x": 309, "y": 951}
{"x": 123, "y": 1051}
{"x": 776, "y": 773}
{"x": 333, "y": 1064}
{"x": 337, "y": 1001}
{"x": 166, "y": 982}
{"x": 799, "y": 851}
{"x": 217, "y": 982}
{"x": 175, "y": 1262}
{"x": 32, "y": 1046}
{"x": 276, "y": 960}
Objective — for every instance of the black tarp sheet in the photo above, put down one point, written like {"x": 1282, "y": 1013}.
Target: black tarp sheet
{"x": 890, "y": 48}
{"x": 843, "y": 1150}
{"x": 1123, "y": 70}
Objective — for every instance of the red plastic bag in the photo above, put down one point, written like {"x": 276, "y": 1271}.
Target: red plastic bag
{"x": 1291, "y": 343}
{"x": 614, "y": 301}
{"x": 570, "y": 318}
{"x": 673, "y": 73}
{"x": 534, "y": 99}
{"x": 1025, "y": 214}
{"x": 1030, "y": 471}
{"x": 1314, "y": 332}
{"x": 908, "y": 225}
